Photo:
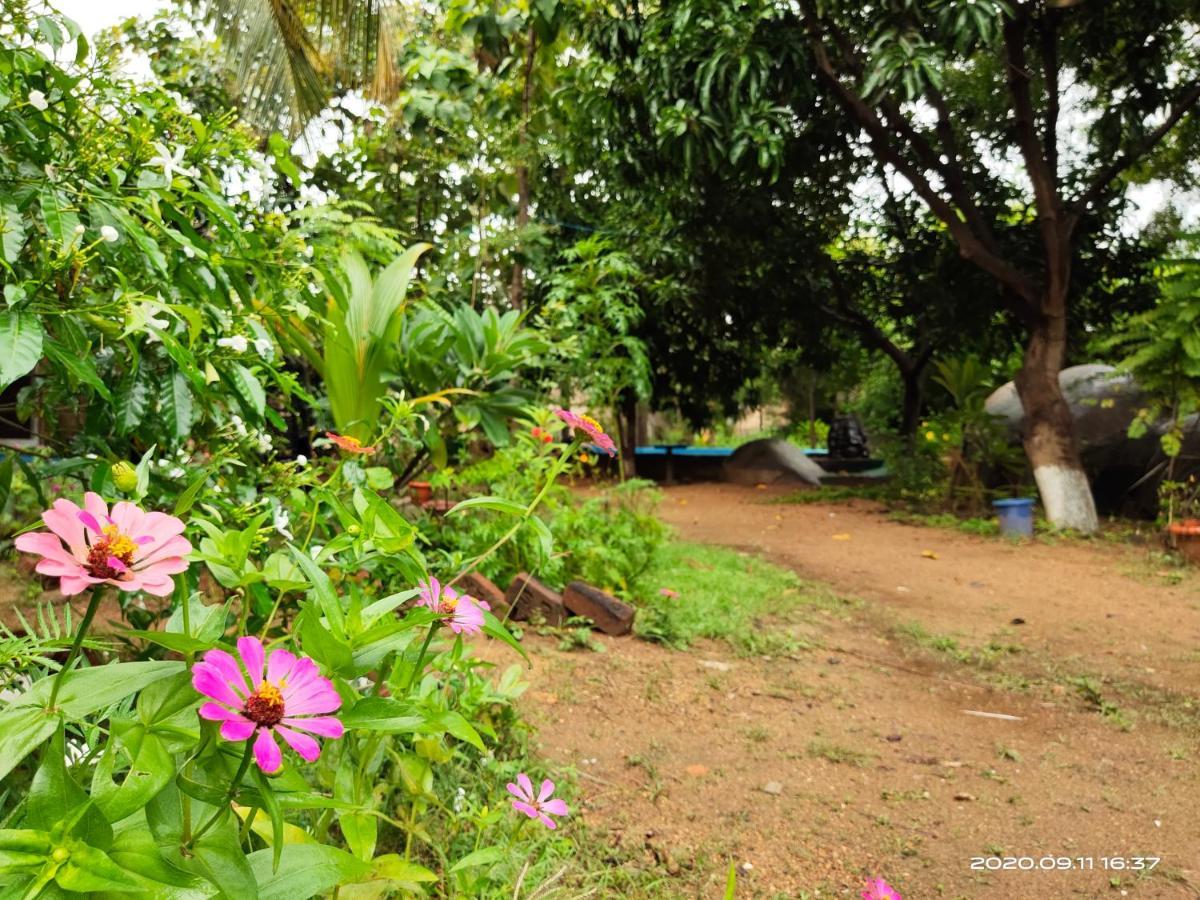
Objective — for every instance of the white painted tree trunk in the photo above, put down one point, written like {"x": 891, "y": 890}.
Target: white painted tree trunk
{"x": 1067, "y": 498}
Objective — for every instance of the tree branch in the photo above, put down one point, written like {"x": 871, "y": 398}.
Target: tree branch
{"x": 1182, "y": 106}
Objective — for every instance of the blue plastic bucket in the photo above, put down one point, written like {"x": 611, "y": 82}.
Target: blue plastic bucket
{"x": 1016, "y": 516}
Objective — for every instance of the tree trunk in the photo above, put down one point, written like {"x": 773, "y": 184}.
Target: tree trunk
{"x": 911, "y": 407}
{"x": 517, "y": 292}
{"x": 627, "y": 428}
{"x": 1049, "y": 428}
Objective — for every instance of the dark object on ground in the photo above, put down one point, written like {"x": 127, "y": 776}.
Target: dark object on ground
{"x": 483, "y": 588}
{"x": 771, "y": 461}
{"x": 609, "y": 614}
{"x": 1124, "y": 471}
{"x": 847, "y": 440}
{"x": 530, "y": 599}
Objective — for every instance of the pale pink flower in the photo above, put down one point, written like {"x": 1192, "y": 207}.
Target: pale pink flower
{"x": 668, "y": 593}
{"x": 292, "y": 698}
{"x": 878, "y": 889}
{"x": 462, "y": 613}
{"x": 590, "y": 427}
{"x": 540, "y": 807}
{"x": 131, "y": 549}
{"x": 350, "y": 444}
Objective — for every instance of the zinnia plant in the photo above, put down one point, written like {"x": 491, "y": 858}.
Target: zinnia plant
{"x": 540, "y": 806}
{"x": 129, "y": 549}
{"x": 878, "y": 889}
{"x": 461, "y": 613}
{"x": 291, "y": 698}
{"x": 590, "y": 427}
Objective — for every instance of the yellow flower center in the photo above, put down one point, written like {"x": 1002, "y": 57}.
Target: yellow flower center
{"x": 119, "y": 545}
{"x": 109, "y": 546}
{"x": 592, "y": 422}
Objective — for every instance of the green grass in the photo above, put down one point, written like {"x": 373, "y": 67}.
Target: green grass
{"x": 726, "y": 595}
{"x": 835, "y": 494}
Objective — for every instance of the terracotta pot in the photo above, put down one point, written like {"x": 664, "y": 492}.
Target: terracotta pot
{"x": 1185, "y": 537}
{"x": 420, "y": 491}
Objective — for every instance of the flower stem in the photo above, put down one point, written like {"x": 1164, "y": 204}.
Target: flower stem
{"x": 233, "y": 789}
{"x": 557, "y": 469}
{"x": 93, "y": 605}
{"x": 412, "y": 679}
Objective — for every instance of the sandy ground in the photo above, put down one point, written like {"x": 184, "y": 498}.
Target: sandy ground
{"x": 860, "y": 754}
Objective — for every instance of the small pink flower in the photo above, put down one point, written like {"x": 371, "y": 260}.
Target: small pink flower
{"x": 540, "y": 807}
{"x": 462, "y": 613}
{"x": 668, "y": 593}
{"x": 292, "y": 698}
{"x": 878, "y": 889}
{"x": 130, "y": 549}
{"x": 590, "y": 427}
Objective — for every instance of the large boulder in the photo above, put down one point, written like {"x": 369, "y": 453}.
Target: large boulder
{"x": 1103, "y": 403}
{"x": 771, "y": 461}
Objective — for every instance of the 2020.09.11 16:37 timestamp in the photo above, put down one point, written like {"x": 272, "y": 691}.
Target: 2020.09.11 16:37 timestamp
{"x": 1063, "y": 863}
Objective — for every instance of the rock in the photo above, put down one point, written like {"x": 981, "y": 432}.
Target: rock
{"x": 774, "y": 788}
{"x": 483, "y": 588}
{"x": 696, "y": 770}
{"x": 771, "y": 461}
{"x": 530, "y": 599}
{"x": 964, "y": 797}
{"x": 716, "y": 664}
{"x": 1103, "y": 403}
{"x": 609, "y": 614}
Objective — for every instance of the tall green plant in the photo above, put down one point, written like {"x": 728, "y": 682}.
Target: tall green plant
{"x": 362, "y": 334}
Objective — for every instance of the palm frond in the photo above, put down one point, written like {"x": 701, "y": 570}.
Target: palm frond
{"x": 288, "y": 56}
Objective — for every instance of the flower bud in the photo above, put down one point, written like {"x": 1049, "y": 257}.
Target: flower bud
{"x": 124, "y": 476}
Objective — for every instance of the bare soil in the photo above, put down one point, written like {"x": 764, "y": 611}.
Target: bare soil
{"x": 860, "y": 751}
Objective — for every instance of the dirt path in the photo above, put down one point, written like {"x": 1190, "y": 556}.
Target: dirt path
{"x": 857, "y": 757}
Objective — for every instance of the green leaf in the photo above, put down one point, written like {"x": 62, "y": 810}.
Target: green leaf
{"x": 60, "y": 219}
{"x": 493, "y": 627}
{"x": 81, "y": 368}
{"x": 484, "y": 856}
{"x": 89, "y": 869}
{"x": 151, "y": 770}
{"x": 320, "y": 643}
{"x": 248, "y": 390}
{"x": 133, "y": 396}
{"x": 305, "y": 870}
{"x": 178, "y": 409}
{"x": 20, "y": 345}
{"x": 12, "y": 232}
{"x": 188, "y": 497}
{"x": 322, "y": 591}
{"x": 207, "y": 621}
{"x": 385, "y": 715}
{"x": 54, "y": 798}
{"x": 499, "y": 504}
{"x": 399, "y": 873}
{"x": 21, "y": 732}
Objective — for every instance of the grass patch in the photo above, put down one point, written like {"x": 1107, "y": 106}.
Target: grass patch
{"x": 718, "y": 593}
{"x": 839, "y": 755}
{"x": 835, "y": 494}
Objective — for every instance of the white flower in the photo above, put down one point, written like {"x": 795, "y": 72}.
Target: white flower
{"x": 176, "y": 473}
{"x": 460, "y": 800}
{"x": 315, "y": 550}
{"x": 188, "y": 251}
{"x": 78, "y": 229}
{"x": 408, "y": 178}
{"x": 38, "y": 100}
{"x": 263, "y": 347}
{"x": 170, "y": 161}
{"x": 238, "y": 425}
{"x": 109, "y": 233}
{"x": 301, "y": 460}
{"x": 281, "y": 523}
{"x": 264, "y": 442}
{"x": 237, "y": 343}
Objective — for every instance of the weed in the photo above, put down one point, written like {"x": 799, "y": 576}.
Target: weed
{"x": 838, "y": 754}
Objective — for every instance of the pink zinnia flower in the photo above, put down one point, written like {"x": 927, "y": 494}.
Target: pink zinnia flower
{"x": 878, "y": 889}
{"x": 540, "y": 807}
{"x": 590, "y": 427}
{"x": 130, "y": 549}
{"x": 668, "y": 593}
{"x": 350, "y": 444}
{"x": 292, "y": 696}
{"x": 462, "y": 613}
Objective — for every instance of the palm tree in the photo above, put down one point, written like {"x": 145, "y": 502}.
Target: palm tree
{"x": 289, "y": 55}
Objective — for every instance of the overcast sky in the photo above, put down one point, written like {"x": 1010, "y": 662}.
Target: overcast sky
{"x": 92, "y": 15}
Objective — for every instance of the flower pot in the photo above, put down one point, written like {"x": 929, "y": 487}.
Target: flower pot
{"x": 420, "y": 492}
{"x": 1185, "y": 537}
{"x": 1015, "y": 515}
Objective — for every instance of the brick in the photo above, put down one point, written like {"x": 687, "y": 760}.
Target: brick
{"x": 483, "y": 588}
{"x": 530, "y": 599}
{"x": 612, "y": 616}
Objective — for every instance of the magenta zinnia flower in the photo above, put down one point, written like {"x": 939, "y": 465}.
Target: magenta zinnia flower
{"x": 540, "y": 807}
{"x": 878, "y": 889}
{"x": 290, "y": 699}
{"x": 462, "y": 613}
{"x": 130, "y": 549}
{"x": 590, "y": 427}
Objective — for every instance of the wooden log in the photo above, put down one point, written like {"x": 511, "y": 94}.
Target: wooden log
{"x": 610, "y": 615}
{"x": 530, "y": 599}
{"x": 483, "y": 588}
